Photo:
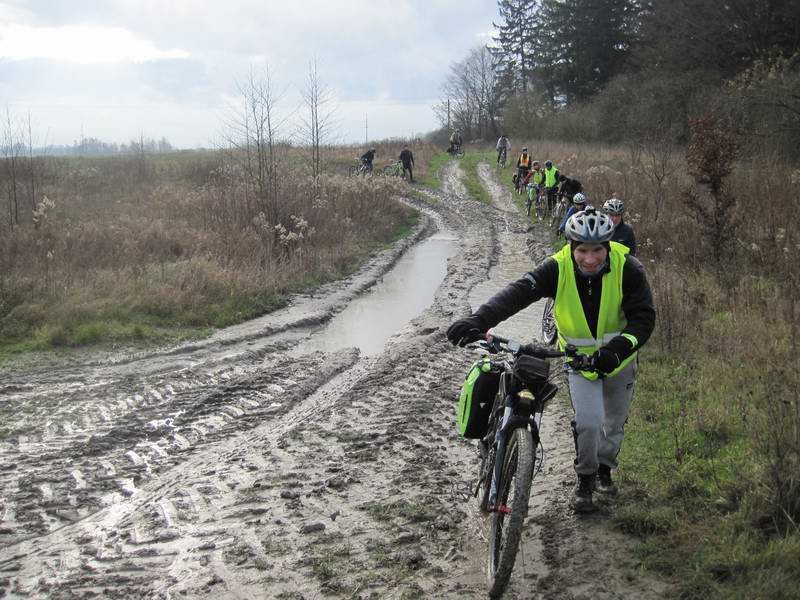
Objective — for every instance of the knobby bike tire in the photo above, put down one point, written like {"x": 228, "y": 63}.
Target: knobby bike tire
{"x": 505, "y": 531}
{"x": 485, "y": 480}
{"x": 353, "y": 170}
{"x": 540, "y": 208}
{"x": 391, "y": 171}
{"x": 549, "y": 330}
{"x": 528, "y": 203}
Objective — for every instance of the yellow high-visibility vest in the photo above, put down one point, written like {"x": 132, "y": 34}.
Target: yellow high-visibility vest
{"x": 568, "y": 311}
{"x": 550, "y": 176}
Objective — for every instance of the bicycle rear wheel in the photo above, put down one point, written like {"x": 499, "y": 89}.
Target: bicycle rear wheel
{"x": 549, "y": 330}
{"x": 506, "y": 524}
{"x": 353, "y": 170}
{"x": 528, "y": 203}
{"x": 389, "y": 171}
{"x": 540, "y": 207}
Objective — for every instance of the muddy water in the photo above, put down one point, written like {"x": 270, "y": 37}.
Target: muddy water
{"x": 399, "y": 296}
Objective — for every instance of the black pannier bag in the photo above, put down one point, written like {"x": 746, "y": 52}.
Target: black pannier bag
{"x": 476, "y": 400}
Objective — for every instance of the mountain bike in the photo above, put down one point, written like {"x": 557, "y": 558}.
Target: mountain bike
{"x": 394, "y": 170}
{"x": 361, "y": 167}
{"x": 558, "y": 213}
{"x": 502, "y": 158}
{"x": 509, "y": 456}
{"x": 536, "y": 200}
{"x": 456, "y": 151}
{"x": 549, "y": 330}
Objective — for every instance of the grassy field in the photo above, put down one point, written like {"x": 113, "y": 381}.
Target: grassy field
{"x": 168, "y": 247}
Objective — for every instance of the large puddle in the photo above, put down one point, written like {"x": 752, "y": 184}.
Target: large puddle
{"x": 399, "y": 296}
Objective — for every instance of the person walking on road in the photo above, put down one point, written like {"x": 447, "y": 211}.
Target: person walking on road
{"x": 604, "y": 306}
{"x": 523, "y": 168}
{"x": 407, "y": 158}
{"x": 551, "y": 176}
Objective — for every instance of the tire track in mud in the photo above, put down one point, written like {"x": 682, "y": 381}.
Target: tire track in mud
{"x": 284, "y": 476}
{"x": 202, "y": 481}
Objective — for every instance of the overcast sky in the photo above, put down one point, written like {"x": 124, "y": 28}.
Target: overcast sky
{"x": 116, "y": 68}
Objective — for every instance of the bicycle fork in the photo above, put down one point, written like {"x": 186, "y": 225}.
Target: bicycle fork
{"x": 500, "y": 438}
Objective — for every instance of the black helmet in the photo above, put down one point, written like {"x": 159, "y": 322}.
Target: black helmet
{"x": 548, "y": 164}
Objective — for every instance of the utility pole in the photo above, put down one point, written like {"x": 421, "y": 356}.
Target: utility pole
{"x": 448, "y": 114}
{"x": 366, "y": 129}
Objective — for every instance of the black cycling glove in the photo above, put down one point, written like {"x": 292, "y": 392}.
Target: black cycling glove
{"x": 610, "y": 356}
{"x": 464, "y": 331}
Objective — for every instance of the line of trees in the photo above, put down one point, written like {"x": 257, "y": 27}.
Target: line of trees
{"x": 628, "y": 68}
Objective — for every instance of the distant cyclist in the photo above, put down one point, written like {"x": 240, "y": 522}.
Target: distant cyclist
{"x": 569, "y": 186}
{"x": 502, "y": 147}
{"x": 551, "y": 176}
{"x": 578, "y": 204}
{"x": 523, "y": 168}
{"x": 623, "y": 233}
{"x": 407, "y": 158}
{"x": 367, "y": 158}
{"x": 455, "y": 141}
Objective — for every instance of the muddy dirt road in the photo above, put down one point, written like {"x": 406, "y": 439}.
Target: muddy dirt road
{"x": 254, "y": 466}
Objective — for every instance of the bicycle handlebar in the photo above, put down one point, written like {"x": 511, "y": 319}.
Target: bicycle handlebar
{"x": 495, "y": 343}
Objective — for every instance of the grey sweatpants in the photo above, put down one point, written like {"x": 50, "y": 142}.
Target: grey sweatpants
{"x": 601, "y": 410}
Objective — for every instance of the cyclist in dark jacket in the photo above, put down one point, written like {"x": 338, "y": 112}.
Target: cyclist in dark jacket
{"x": 623, "y": 233}
{"x": 367, "y": 158}
{"x": 408, "y": 162}
{"x": 604, "y": 306}
{"x": 569, "y": 187}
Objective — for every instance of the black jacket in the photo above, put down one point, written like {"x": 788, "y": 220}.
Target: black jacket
{"x": 623, "y": 233}
{"x": 368, "y": 156}
{"x": 637, "y": 300}
{"x": 406, "y": 157}
{"x": 570, "y": 187}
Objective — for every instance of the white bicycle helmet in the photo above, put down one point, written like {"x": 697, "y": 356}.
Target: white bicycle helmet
{"x": 589, "y": 226}
{"x": 614, "y": 206}
{"x": 579, "y": 198}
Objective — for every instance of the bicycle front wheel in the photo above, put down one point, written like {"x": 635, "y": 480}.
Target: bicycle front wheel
{"x": 512, "y": 507}
{"x": 549, "y": 331}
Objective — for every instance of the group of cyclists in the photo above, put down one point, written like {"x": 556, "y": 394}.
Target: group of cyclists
{"x": 602, "y": 305}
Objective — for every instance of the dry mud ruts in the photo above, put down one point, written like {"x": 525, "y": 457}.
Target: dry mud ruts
{"x": 233, "y": 469}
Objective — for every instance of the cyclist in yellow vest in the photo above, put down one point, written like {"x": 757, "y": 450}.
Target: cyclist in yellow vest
{"x": 523, "y": 168}
{"x": 603, "y": 305}
{"x": 551, "y": 176}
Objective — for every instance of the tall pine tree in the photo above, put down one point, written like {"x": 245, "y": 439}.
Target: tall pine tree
{"x": 514, "y": 42}
{"x": 583, "y": 44}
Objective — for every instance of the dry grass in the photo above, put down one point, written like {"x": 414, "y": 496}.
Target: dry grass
{"x": 188, "y": 243}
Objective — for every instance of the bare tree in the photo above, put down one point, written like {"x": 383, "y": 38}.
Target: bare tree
{"x": 11, "y": 147}
{"x": 654, "y": 156}
{"x": 473, "y": 94}
{"x": 253, "y": 134}
{"x": 317, "y": 125}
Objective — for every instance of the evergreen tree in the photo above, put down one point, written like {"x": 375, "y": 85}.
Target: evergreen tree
{"x": 583, "y": 44}
{"x": 514, "y": 43}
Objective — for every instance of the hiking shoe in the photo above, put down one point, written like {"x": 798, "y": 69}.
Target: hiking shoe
{"x": 582, "y": 497}
{"x": 605, "y": 485}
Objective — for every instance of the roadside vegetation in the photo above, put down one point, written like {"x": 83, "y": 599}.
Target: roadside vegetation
{"x": 166, "y": 246}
